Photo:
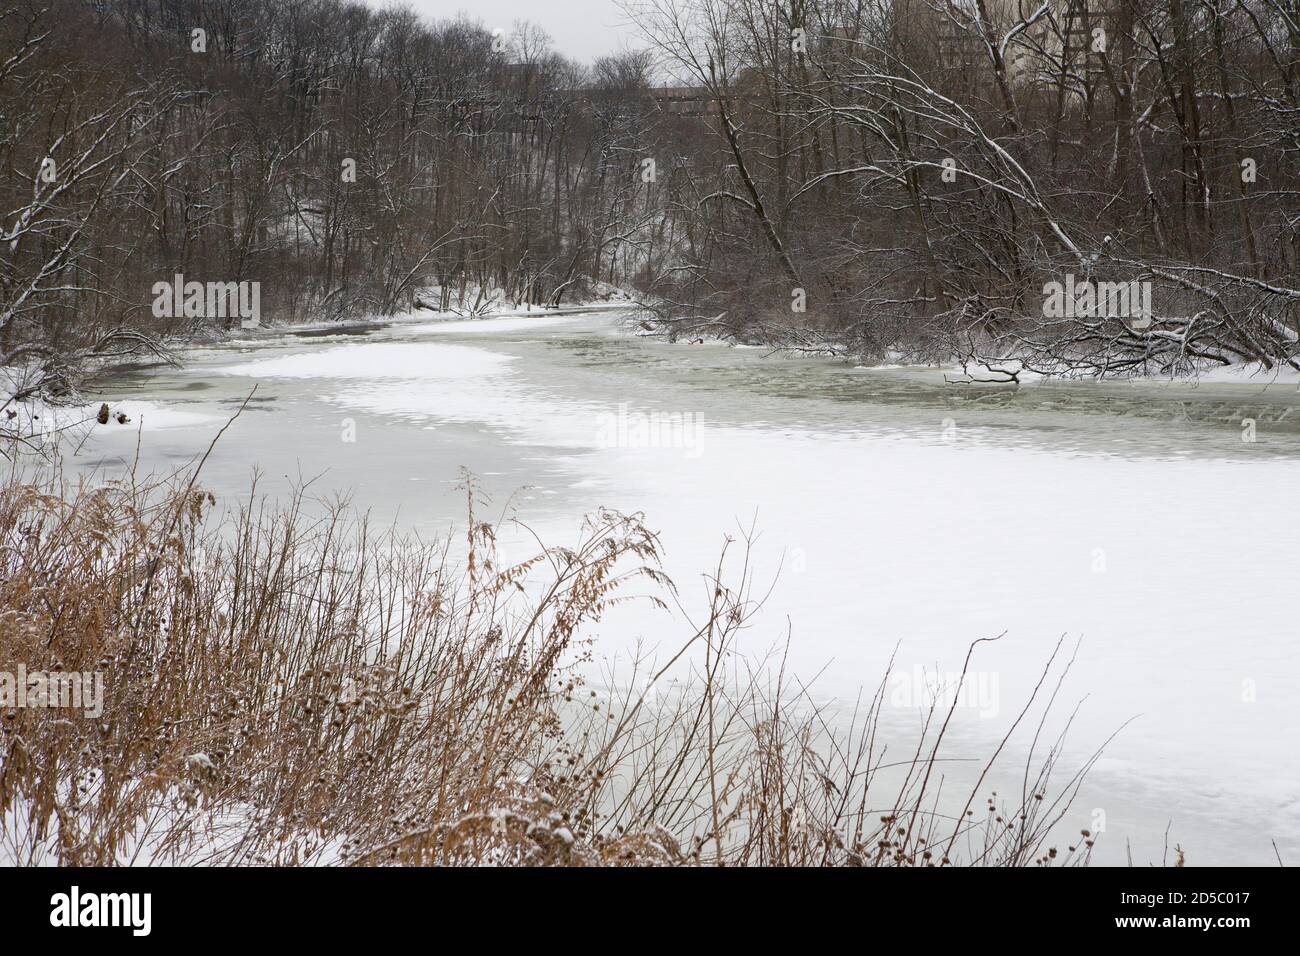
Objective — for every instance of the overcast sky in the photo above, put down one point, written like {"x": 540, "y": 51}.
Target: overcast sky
{"x": 580, "y": 29}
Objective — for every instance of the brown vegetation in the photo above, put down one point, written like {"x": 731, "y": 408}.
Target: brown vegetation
{"x": 285, "y": 686}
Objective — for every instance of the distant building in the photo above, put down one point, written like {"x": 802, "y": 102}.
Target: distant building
{"x": 952, "y": 31}
{"x": 684, "y": 100}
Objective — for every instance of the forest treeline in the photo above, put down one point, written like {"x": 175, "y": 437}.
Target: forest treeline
{"x": 922, "y": 175}
{"x": 344, "y": 159}
{"x": 849, "y": 176}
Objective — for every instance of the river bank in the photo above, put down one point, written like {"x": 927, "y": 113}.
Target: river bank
{"x": 899, "y": 517}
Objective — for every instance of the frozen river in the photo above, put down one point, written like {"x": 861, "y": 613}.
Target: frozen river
{"x": 906, "y": 513}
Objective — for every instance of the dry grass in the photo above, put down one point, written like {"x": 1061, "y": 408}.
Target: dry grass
{"x": 289, "y": 687}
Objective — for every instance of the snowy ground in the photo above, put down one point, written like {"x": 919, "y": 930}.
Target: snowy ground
{"x": 902, "y": 519}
